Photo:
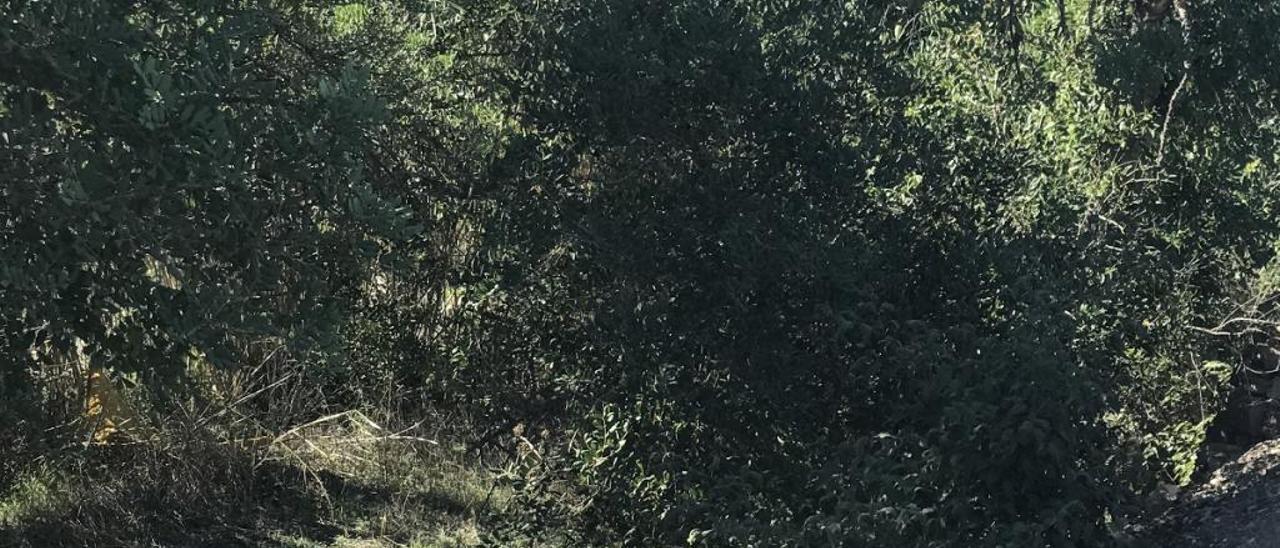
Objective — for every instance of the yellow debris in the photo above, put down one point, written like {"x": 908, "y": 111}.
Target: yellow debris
{"x": 108, "y": 412}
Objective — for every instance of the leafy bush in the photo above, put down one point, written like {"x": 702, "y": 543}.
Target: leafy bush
{"x": 722, "y": 273}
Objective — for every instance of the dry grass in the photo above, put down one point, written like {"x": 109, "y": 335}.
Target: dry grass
{"x": 258, "y": 456}
{"x": 391, "y": 487}
{"x": 332, "y": 490}
{"x": 341, "y": 481}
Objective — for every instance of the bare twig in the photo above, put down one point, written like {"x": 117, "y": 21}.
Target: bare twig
{"x": 243, "y": 399}
{"x": 1168, "y": 115}
{"x": 321, "y": 420}
{"x": 1220, "y": 329}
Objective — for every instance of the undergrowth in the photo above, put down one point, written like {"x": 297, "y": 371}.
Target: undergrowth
{"x": 336, "y": 483}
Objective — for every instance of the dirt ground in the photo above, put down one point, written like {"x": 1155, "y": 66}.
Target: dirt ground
{"x": 1237, "y": 506}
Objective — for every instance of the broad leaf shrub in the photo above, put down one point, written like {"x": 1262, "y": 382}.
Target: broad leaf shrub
{"x": 179, "y": 176}
{"x": 725, "y": 272}
{"x": 866, "y": 274}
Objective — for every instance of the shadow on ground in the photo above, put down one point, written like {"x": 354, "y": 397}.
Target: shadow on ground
{"x": 145, "y": 497}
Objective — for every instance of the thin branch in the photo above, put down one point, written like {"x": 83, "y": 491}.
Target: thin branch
{"x": 1168, "y": 115}
{"x": 1181, "y": 13}
{"x": 1220, "y": 330}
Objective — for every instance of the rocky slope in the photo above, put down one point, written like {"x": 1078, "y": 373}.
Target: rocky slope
{"x": 1237, "y": 506}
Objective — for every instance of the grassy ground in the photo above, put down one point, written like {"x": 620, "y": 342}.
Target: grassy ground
{"x": 340, "y": 482}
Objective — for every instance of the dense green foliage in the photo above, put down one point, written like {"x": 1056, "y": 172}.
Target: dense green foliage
{"x": 737, "y": 272}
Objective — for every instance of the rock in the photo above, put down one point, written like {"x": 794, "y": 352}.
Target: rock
{"x": 1237, "y": 506}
